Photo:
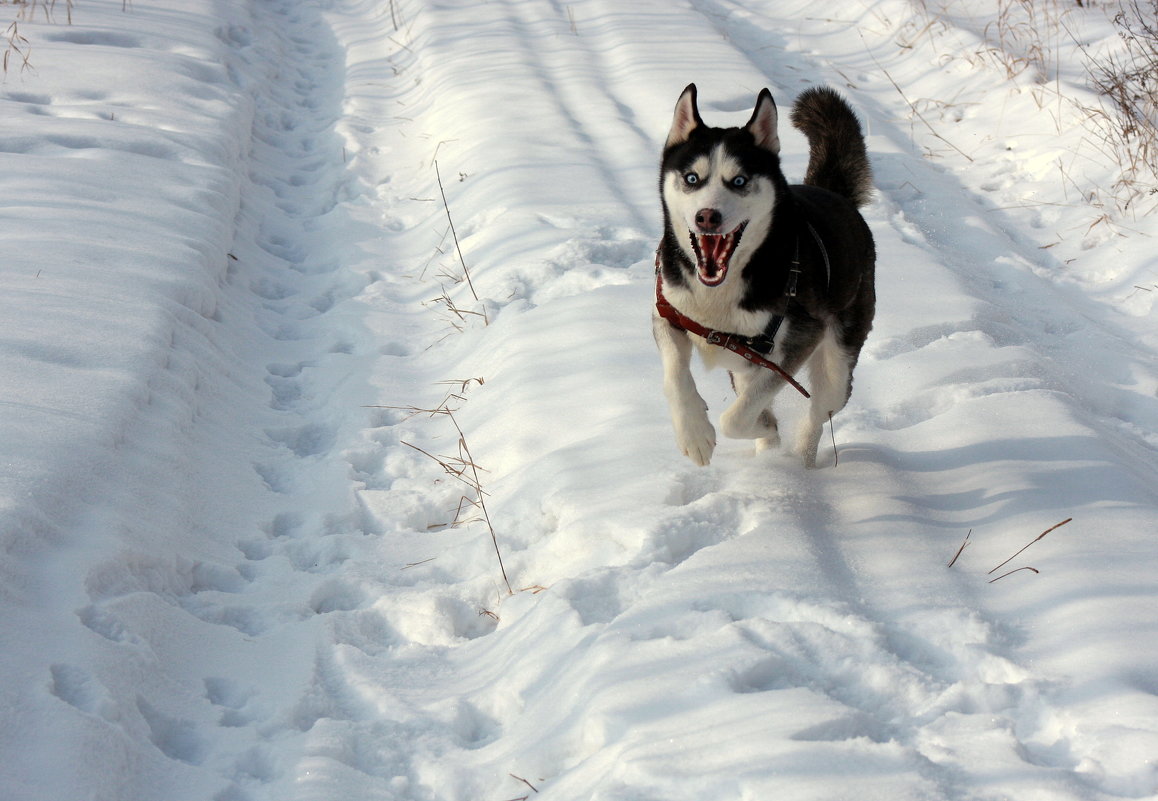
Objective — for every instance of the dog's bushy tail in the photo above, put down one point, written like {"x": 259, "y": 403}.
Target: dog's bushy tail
{"x": 838, "y": 160}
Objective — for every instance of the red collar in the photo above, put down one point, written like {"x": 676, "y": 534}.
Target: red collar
{"x": 733, "y": 342}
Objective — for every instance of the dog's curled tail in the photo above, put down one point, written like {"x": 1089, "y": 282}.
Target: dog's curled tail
{"x": 838, "y": 160}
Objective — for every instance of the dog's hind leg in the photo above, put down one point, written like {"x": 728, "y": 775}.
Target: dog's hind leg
{"x": 830, "y": 376}
{"x": 771, "y": 440}
{"x": 750, "y": 416}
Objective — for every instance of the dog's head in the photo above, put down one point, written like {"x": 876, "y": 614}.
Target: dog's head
{"x": 718, "y": 184}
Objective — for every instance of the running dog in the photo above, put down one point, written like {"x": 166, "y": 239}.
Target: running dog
{"x": 762, "y": 277}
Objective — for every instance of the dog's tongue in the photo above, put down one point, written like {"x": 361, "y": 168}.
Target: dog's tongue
{"x": 713, "y": 251}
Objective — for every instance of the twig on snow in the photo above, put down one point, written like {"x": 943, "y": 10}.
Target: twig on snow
{"x": 960, "y": 550}
{"x": 1035, "y": 539}
{"x": 458, "y": 247}
{"x": 1011, "y": 572}
{"x": 835, "y": 450}
{"x": 524, "y": 781}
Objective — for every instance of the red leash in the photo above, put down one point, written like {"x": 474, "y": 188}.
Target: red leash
{"x": 733, "y": 342}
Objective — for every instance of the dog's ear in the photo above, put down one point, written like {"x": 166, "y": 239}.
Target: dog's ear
{"x": 687, "y": 117}
{"x": 762, "y": 126}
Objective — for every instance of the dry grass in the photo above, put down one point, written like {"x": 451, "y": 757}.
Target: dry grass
{"x": 457, "y": 314}
{"x": 1036, "y": 539}
{"x": 32, "y": 9}
{"x": 17, "y": 48}
{"x": 1127, "y": 82}
{"x": 967, "y": 541}
{"x": 472, "y": 507}
{"x": 462, "y": 260}
{"x": 1020, "y": 37}
{"x": 1031, "y": 37}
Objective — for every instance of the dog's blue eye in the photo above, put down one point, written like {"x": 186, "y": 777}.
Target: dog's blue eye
{"x": 739, "y": 181}
{"x": 691, "y": 179}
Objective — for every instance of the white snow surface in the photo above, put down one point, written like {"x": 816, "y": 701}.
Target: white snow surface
{"x": 226, "y": 566}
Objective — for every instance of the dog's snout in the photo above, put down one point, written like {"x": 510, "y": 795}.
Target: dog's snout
{"x": 709, "y": 220}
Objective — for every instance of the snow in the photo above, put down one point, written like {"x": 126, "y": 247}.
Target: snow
{"x": 233, "y": 309}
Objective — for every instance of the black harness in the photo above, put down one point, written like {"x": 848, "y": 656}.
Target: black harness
{"x": 764, "y": 343}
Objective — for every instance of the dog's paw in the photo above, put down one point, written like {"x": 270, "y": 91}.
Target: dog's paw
{"x": 736, "y": 424}
{"x": 696, "y": 438}
{"x": 768, "y": 443}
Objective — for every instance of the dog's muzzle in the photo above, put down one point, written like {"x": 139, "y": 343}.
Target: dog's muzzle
{"x": 714, "y": 253}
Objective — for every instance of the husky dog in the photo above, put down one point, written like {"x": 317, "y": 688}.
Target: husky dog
{"x": 779, "y": 275}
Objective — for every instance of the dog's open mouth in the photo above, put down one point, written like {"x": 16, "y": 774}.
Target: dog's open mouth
{"x": 713, "y": 252}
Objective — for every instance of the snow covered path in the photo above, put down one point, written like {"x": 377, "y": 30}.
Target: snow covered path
{"x": 229, "y": 566}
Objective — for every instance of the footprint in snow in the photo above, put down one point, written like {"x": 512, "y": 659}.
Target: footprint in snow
{"x": 233, "y": 700}
{"x": 284, "y": 381}
{"x": 177, "y": 739}
{"x": 336, "y": 595}
{"x": 80, "y": 689}
{"x": 303, "y": 441}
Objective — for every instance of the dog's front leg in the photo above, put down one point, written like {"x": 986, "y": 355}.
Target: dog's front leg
{"x": 689, "y": 413}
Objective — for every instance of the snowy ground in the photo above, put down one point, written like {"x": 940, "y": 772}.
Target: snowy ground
{"x": 225, "y": 567}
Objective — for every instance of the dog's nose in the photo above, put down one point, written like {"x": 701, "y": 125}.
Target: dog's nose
{"x": 709, "y": 220}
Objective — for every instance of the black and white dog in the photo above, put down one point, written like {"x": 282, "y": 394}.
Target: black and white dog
{"x": 762, "y": 277}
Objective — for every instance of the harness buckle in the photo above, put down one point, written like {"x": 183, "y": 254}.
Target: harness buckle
{"x": 793, "y": 279}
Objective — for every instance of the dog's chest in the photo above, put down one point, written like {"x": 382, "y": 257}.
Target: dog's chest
{"x": 718, "y": 307}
